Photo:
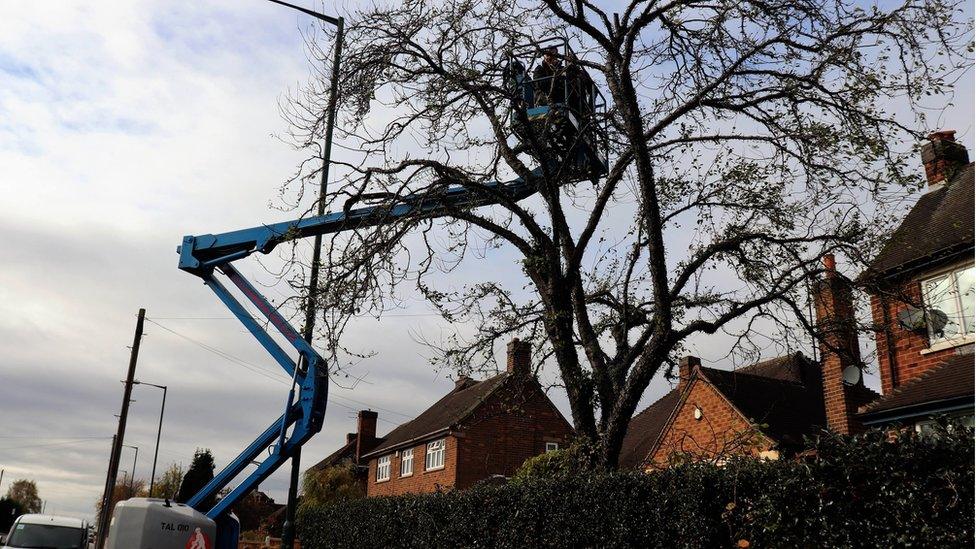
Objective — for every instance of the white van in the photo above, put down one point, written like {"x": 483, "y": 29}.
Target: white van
{"x": 47, "y": 531}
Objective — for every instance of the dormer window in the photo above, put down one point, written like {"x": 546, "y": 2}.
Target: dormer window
{"x": 949, "y": 304}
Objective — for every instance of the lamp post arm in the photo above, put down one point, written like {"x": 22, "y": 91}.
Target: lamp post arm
{"x": 315, "y": 14}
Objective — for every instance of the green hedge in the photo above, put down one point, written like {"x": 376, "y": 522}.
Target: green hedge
{"x": 866, "y": 491}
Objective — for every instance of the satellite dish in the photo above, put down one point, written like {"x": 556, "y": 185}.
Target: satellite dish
{"x": 911, "y": 318}
{"x": 937, "y": 320}
{"x": 918, "y": 320}
{"x": 851, "y": 375}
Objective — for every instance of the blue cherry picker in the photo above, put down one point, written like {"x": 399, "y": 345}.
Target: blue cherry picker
{"x": 559, "y": 127}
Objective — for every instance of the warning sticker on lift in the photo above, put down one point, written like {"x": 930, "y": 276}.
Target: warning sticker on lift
{"x": 198, "y": 540}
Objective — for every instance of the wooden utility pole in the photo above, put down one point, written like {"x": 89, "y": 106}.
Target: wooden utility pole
{"x": 104, "y": 515}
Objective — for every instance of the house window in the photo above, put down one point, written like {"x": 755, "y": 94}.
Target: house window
{"x": 435, "y": 455}
{"x": 383, "y": 469}
{"x": 552, "y": 446}
{"x": 406, "y": 463}
{"x": 951, "y": 294}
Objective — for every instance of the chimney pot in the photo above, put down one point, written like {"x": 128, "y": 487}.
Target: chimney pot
{"x": 461, "y": 381}
{"x": 942, "y": 156}
{"x": 519, "y": 357}
{"x": 686, "y": 367}
{"x": 830, "y": 265}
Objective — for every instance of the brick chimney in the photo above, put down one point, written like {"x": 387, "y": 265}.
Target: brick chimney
{"x": 838, "y": 346}
{"x": 943, "y": 157}
{"x": 519, "y": 357}
{"x": 366, "y": 431}
{"x": 686, "y": 367}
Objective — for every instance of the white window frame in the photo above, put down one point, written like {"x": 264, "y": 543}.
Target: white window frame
{"x": 383, "y": 468}
{"x": 436, "y": 452}
{"x": 552, "y": 447}
{"x": 937, "y": 342}
{"x": 406, "y": 460}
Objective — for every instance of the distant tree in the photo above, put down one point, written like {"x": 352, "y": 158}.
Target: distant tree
{"x": 123, "y": 490}
{"x": 9, "y": 511}
{"x": 24, "y": 492}
{"x": 330, "y": 485}
{"x": 201, "y": 472}
{"x": 168, "y": 485}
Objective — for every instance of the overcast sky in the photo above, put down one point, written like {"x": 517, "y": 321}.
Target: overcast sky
{"x": 124, "y": 126}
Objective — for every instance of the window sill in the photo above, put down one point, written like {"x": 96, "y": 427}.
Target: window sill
{"x": 434, "y": 469}
{"x": 406, "y": 476}
{"x": 382, "y": 481}
{"x": 952, "y": 343}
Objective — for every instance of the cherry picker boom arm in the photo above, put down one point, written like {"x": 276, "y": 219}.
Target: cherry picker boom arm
{"x": 206, "y": 255}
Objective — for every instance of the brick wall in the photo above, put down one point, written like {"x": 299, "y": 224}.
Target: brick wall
{"x": 720, "y": 431}
{"x": 909, "y": 361}
{"x": 420, "y": 481}
{"x": 509, "y": 429}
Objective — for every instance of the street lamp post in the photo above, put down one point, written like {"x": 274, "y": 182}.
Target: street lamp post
{"x": 132, "y": 477}
{"x": 159, "y": 432}
{"x": 288, "y": 531}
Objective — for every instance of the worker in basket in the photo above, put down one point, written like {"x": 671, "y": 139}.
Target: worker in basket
{"x": 566, "y": 85}
{"x": 550, "y": 78}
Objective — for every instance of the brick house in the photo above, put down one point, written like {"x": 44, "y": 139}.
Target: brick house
{"x": 763, "y": 410}
{"x": 922, "y": 286}
{"x": 481, "y": 429}
{"x": 357, "y": 445}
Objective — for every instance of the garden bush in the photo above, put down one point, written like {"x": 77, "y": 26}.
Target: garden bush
{"x": 865, "y": 491}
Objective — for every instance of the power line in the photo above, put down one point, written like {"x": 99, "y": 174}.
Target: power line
{"x": 79, "y": 441}
{"x": 234, "y": 318}
{"x": 264, "y": 372}
{"x": 225, "y": 355}
{"x": 32, "y": 437}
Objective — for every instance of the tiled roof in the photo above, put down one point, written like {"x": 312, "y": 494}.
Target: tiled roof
{"x": 794, "y": 367}
{"x": 784, "y": 393}
{"x": 788, "y": 409}
{"x": 950, "y": 380}
{"x": 939, "y": 225}
{"x": 346, "y": 453}
{"x": 645, "y": 428}
{"x": 443, "y": 414}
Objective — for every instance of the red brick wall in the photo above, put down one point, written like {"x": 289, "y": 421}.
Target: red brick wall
{"x": 721, "y": 430}
{"x": 420, "y": 481}
{"x": 908, "y": 345}
{"x": 509, "y": 429}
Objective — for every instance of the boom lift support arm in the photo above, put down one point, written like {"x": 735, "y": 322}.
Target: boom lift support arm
{"x": 207, "y": 255}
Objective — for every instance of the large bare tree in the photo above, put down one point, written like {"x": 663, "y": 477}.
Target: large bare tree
{"x": 747, "y": 138}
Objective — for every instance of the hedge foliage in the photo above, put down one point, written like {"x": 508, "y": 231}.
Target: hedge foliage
{"x": 866, "y": 491}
